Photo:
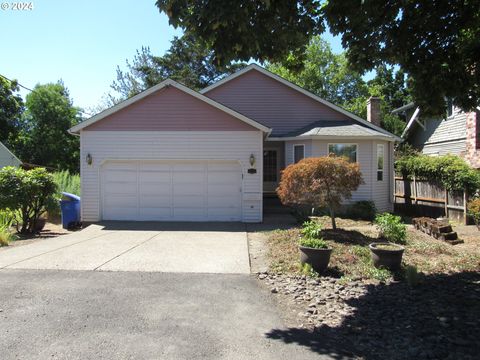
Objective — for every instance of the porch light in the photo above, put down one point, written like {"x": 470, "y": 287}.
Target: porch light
{"x": 89, "y": 159}
{"x": 252, "y": 160}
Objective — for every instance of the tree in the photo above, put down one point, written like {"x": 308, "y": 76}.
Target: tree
{"x": 319, "y": 182}
{"x": 187, "y": 61}
{"x": 44, "y": 139}
{"x": 323, "y": 73}
{"x": 26, "y": 192}
{"x": 435, "y": 42}
{"x": 11, "y": 109}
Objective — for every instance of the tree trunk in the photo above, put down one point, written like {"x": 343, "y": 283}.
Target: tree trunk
{"x": 332, "y": 216}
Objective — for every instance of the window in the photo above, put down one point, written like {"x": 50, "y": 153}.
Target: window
{"x": 450, "y": 107}
{"x": 298, "y": 153}
{"x": 347, "y": 150}
{"x": 270, "y": 165}
{"x": 380, "y": 161}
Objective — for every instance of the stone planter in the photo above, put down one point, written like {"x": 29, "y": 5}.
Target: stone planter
{"x": 317, "y": 258}
{"x": 387, "y": 255}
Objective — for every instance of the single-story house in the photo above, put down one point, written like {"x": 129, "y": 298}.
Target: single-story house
{"x": 457, "y": 133}
{"x": 174, "y": 154}
{"x": 7, "y": 158}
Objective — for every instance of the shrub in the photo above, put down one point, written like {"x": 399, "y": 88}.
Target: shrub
{"x": 474, "y": 210}
{"x": 391, "y": 227}
{"x": 412, "y": 275}
{"x": 313, "y": 243}
{"x": 319, "y": 182}
{"x": 364, "y": 210}
{"x": 26, "y": 191}
{"x": 450, "y": 170}
{"x": 311, "y": 230}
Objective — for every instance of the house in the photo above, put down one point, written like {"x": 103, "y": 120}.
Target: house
{"x": 456, "y": 133}
{"x": 171, "y": 153}
{"x": 7, "y": 158}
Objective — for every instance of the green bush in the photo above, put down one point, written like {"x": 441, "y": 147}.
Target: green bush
{"x": 391, "y": 228}
{"x": 449, "y": 170}
{"x": 26, "y": 192}
{"x": 311, "y": 230}
{"x": 363, "y": 210}
{"x": 412, "y": 275}
{"x": 474, "y": 210}
{"x": 313, "y": 243}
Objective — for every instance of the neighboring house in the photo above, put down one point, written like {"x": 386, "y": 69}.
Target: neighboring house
{"x": 171, "y": 153}
{"x": 457, "y": 133}
{"x": 7, "y": 158}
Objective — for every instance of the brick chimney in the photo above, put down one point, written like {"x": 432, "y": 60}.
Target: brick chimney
{"x": 473, "y": 139}
{"x": 373, "y": 110}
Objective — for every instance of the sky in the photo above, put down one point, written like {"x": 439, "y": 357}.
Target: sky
{"x": 82, "y": 42}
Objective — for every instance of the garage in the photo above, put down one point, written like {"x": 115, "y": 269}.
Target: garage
{"x": 156, "y": 190}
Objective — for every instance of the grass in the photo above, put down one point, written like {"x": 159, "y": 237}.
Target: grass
{"x": 6, "y": 222}
{"x": 351, "y": 257}
{"x": 66, "y": 182}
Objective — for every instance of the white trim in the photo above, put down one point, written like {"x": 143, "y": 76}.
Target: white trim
{"x": 11, "y": 154}
{"x": 301, "y": 90}
{"x": 329, "y": 137}
{"x": 293, "y": 151}
{"x": 158, "y": 87}
{"x": 340, "y": 143}
{"x": 410, "y": 122}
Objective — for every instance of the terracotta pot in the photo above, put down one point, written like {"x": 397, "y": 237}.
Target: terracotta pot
{"x": 317, "y": 258}
{"x": 389, "y": 258}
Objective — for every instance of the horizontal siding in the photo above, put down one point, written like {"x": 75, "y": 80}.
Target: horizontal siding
{"x": 441, "y": 136}
{"x": 377, "y": 191}
{"x": 272, "y": 103}
{"x": 6, "y": 158}
{"x": 170, "y": 109}
{"x": 175, "y": 145}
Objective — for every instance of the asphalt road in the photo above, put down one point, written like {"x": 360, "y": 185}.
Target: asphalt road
{"x": 47, "y": 314}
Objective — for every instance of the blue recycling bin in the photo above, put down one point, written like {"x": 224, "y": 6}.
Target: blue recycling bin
{"x": 70, "y": 206}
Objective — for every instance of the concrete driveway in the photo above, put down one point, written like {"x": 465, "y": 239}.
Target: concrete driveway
{"x": 136, "y": 246}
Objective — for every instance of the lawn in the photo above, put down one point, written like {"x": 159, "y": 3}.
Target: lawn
{"x": 351, "y": 256}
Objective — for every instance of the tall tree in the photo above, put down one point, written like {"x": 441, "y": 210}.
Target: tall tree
{"x": 323, "y": 73}
{"x": 188, "y": 61}
{"x": 435, "y": 41}
{"x": 43, "y": 137}
{"x": 11, "y": 109}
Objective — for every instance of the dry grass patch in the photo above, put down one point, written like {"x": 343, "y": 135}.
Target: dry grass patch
{"x": 351, "y": 256}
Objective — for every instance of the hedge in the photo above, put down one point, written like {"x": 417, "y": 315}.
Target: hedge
{"x": 449, "y": 170}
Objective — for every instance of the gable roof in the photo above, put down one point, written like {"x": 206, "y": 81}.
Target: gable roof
{"x": 164, "y": 84}
{"x": 9, "y": 153}
{"x": 304, "y": 92}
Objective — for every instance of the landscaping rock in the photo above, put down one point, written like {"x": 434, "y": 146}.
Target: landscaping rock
{"x": 436, "y": 320}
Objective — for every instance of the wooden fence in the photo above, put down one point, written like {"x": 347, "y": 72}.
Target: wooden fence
{"x": 423, "y": 198}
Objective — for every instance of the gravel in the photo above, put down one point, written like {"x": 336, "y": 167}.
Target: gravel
{"x": 437, "y": 319}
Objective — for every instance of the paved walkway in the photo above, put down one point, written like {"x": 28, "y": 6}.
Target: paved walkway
{"x": 134, "y": 246}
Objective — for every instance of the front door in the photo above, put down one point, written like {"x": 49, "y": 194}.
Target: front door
{"x": 270, "y": 170}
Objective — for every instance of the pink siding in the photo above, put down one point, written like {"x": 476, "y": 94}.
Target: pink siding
{"x": 170, "y": 109}
{"x": 271, "y": 103}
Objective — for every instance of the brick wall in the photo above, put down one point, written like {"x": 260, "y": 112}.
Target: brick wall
{"x": 472, "y": 153}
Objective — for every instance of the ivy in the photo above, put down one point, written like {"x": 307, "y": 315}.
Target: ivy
{"x": 449, "y": 170}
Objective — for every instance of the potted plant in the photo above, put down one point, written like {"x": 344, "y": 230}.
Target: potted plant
{"x": 389, "y": 253}
{"x": 313, "y": 249}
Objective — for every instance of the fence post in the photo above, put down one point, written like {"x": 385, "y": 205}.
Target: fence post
{"x": 446, "y": 203}
{"x": 465, "y": 210}
{"x": 415, "y": 189}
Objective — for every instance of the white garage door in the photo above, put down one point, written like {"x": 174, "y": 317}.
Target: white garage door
{"x": 174, "y": 191}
